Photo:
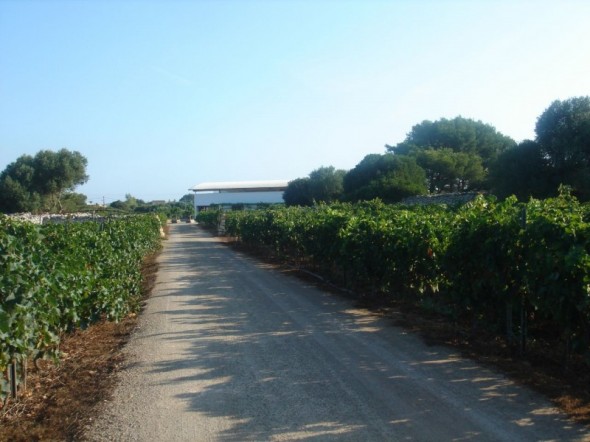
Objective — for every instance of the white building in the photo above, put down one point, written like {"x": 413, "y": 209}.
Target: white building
{"x": 238, "y": 192}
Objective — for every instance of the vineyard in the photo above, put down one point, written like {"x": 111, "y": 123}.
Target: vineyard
{"x": 520, "y": 270}
{"x": 59, "y": 277}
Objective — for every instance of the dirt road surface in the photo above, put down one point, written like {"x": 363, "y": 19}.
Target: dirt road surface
{"x": 229, "y": 349}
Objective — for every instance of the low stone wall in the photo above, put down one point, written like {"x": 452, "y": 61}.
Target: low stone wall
{"x": 450, "y": 199}
{"x": 46, "y": 218}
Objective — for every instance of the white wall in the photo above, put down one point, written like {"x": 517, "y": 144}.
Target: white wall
{"x": 206, "y": 199}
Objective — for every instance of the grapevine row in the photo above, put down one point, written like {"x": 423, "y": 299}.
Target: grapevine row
{"x": 58, "y": 277}
{"x": 512, "y": 267}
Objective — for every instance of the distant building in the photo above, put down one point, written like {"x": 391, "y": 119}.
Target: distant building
{"x": 250, "y": 193}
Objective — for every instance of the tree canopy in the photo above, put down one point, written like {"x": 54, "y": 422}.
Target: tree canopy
{"x": 322, "y": 185}
{"x": 298, "y": 193}
{"x": 388, "y": 177}
{"x": 449, "y": 171}
{"x": 461, "y": 154}
{"x": 31, "y": 184}
{"x": 458, "y": 134}
{"x": 559, "y": 155}
{"x": 455, "y": 154}
{"x": 563, "y": 135}
{"x": 187, "y": 198}
{"x": 522, "y": 171}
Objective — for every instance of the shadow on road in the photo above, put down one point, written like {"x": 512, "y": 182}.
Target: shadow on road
{"x": 276, "y": 359}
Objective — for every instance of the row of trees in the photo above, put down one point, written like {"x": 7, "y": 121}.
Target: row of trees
{"x": 182, "y": 208}
{"x": 455, "y": 155}
{"x": 46, "y": 182}
{"x": 460, "y": 154}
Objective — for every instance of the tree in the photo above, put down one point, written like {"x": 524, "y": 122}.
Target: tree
{"x": 16, "y": 187}
{"x": 56, "y": 173}
{"x": 73, "y": 202}
{"x": 563, "y": 134}
{"x": 388, "y": 177}
{"x": 119, "y": 205}
{"x": 325, "y": 184}
{"x": 131, "y": 202}
{"x": 40, "y": 182}
{"x": 522, "y": 171}
{"x": 449, "y": 171}
{"x": 322, "y": 185}
{"x": 188, "y": 198}
{"x": 459, "y": 134}
{"x": 298, "y": 193}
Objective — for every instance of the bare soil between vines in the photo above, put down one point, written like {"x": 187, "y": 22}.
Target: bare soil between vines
{"x": 61, "y": 399}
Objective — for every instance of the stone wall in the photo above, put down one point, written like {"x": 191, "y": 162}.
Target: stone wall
{"x": 450, "y": 199}
{"x": 46, "y": 218}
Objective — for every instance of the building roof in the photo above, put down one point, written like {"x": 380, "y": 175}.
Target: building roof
{"x": 241, "y": 186}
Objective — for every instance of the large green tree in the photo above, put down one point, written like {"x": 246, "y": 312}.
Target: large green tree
{"x": 449, "y": 171}
{"x": 522, "y": 171}
{"x": 73, "y": 202}
{"x": 388, "y": 177}
{"x": 187, "y": 198}
{"x": 322, "y": 185}
{"x": 459, "y": 134}
{"x": 41, "y": 182}
{"x": 456, "y": 153}
{"x": 298, "y": 193}
{"x": 325, "y": 183}
{"x": 563, "y": 134}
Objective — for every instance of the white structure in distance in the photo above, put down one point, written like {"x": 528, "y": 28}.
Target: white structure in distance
{"x": 228, "y": 193}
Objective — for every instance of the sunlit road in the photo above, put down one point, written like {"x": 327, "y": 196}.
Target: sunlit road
{"x": 229, "y": 349}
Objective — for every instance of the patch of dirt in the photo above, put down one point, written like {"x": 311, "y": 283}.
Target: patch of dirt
{"x": 60, "y": 398}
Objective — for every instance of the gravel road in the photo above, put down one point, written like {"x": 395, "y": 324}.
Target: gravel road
{"x": 230, "y": 349}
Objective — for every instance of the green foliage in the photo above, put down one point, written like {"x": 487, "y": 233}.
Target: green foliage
{"x": 188, "y": 198}
{"x": 556, "y": 246}
{"x": 522, "y": 171}
{"x": 563, "y": 134}
{"x": 456, "y": 154}
{"x": 298, "y": 193}
{"x": 322, "y": 185}
{"x": 388, "y": 177}
{"x": 130, "y": 204}
{"x": 31, "y": 184}
{"x": 483, "y": 262}
{"x": 459, "y": 134}
{"x": 209, "y": 218}
{"x": 73, "y": 202}
{"x": 502, "y": 265}
{"x": 366, "y": 244}
{"x": 28, "y": 306}
{"x": 172, "y": 209}
{"x": 62, "y": 276}
{"x": 449, "y": 171}
{"x": 390, "y": 249}
{"x": 17, "y": 192}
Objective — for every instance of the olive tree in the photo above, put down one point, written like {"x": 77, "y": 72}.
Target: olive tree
{"x": 41, "y": 182}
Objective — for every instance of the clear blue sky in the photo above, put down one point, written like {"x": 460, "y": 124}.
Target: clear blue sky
{"x": 161, "y": 95}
